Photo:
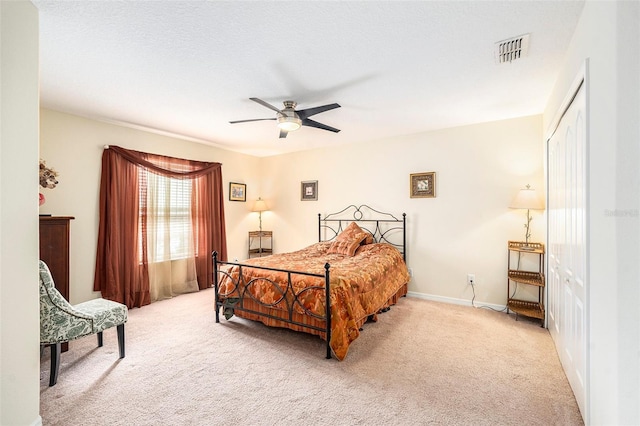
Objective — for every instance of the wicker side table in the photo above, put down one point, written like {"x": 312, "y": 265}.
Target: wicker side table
{"x": 531, "y": 274}
{"x": 260, "y": 243}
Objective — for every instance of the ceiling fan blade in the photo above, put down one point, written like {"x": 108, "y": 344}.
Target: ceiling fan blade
{"x": 283, "y": 134}
{"x": 304, "y": 113}
{"x": 311, "y": 123}
{"x": 263, "y": 103}
{"x": 253, "y": 119}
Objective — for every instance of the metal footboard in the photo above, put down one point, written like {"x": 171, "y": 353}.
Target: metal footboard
{"x": 241, "y": 290}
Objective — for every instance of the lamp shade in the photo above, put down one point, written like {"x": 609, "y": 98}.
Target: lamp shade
{"x": 260, "y": 206}
{"x": 528, "y": 199}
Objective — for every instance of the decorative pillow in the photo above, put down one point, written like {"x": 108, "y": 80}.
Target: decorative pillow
{"x": 368, "y": 239}
{"x": 352, "y": 232}
{"x": 347, "y": 248}
{"x": 348, "y": 241}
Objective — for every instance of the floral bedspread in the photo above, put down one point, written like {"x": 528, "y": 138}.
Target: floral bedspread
{"x": 361, "y": 285}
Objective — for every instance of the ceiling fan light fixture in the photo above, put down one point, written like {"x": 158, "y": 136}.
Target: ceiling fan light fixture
{"x": 289, "y": 119}
{"x": 288, "y": 124}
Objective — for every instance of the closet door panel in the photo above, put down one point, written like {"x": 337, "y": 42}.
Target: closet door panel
{"x": 567, "y": 189}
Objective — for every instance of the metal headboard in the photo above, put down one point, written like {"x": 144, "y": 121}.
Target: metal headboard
{"x": 384, "y": 227}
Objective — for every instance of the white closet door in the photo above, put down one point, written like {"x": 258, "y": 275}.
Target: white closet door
{"x": 566, "y": 296}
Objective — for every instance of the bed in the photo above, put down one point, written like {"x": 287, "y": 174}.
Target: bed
{"x": 354, "y": 272}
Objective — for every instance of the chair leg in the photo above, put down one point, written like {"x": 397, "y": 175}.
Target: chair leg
{"x": 55, "y": 363}
{"x": 99, "y": 339}
{"x": 120, "y": 329}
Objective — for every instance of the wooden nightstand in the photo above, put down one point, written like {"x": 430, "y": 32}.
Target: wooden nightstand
{"x": 260, "y": 243}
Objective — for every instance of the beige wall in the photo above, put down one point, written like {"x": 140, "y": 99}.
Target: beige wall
{"x": 465, "y": 229}
{"x": 19, "y": 315}
{"x": 73, "y": 146}
{"x": 608, "y": 37}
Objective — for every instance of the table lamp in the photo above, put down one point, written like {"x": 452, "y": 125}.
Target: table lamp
{"x": 260, "y": 206}
{"x": 527, "y": 199}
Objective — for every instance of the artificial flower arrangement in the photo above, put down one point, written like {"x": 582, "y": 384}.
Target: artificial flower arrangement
{"x": 47, "y": 179}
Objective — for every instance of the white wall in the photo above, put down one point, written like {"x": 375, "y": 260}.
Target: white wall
{"x": 608, "y": 37}
{"x": 465, "y": 229}
{"x": 19, "y": 312}
{"x": 73, "y": 146}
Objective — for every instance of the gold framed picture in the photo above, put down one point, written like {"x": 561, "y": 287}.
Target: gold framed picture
{"x": 309, "y": 190}
{"x": 422, "y": 185}
{"x": 237, "y": 191}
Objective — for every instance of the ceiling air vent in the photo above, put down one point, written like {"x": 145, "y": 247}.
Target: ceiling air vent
{"x": 512, "y": 49}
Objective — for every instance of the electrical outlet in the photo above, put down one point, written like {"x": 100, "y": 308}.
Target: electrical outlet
{"x": 471, "y": 279}
{"x": 411, "y": 272}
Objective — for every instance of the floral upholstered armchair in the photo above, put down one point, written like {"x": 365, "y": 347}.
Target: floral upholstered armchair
{"x": 60, "y": 321}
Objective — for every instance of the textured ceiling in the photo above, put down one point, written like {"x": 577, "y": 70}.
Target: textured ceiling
{"x": 396, "y": 68}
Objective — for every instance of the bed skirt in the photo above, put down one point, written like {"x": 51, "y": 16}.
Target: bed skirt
{"x": 339, "y": 343}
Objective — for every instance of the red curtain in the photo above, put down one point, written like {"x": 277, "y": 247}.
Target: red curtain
{"x": 121, "y": 271}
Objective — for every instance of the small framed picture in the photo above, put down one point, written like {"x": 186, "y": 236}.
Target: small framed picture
{"x": 237, "y": 191}
{"x": 422, "y": 185}
{"x": 309, "y": 190}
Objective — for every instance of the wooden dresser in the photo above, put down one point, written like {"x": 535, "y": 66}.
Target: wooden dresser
{"x": 54, "y": 251}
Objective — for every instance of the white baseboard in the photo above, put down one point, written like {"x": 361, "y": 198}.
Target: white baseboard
{"x": 454, "y": 301}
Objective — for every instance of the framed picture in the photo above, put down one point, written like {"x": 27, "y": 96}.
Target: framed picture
{"x": 309, "y": 190}
{"x": 422, "y": 185}
{"x": 237, "y": 191}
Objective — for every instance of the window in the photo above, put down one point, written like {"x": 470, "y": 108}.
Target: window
{"x": 168, "y": 217}
{"x": 160, "y": 213}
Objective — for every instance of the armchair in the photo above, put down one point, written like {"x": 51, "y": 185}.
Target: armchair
{"x": 60, "y": 321}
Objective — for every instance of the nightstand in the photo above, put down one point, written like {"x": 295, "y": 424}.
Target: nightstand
{"x": 516, "y": 252}
{"x": 260, "y": 243}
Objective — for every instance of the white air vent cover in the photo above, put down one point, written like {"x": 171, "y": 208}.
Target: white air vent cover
{"x": 512, "y": 49}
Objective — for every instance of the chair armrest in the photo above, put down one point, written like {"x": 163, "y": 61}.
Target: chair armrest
{"x": 64, "y": 306}
{"x": 59, "y": 320}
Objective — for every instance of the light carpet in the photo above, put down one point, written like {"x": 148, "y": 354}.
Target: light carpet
{"x": 422, "y": 363}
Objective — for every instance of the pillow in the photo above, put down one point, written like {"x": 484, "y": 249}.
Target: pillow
{"x": 368, "y": 239}
{"x": 352, "y": 232}
{"x": 347, "y": 248}
{"x": 348, "y": 241}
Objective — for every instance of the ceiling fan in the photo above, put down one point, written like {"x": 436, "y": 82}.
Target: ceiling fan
{"x": 290, "y": 119}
